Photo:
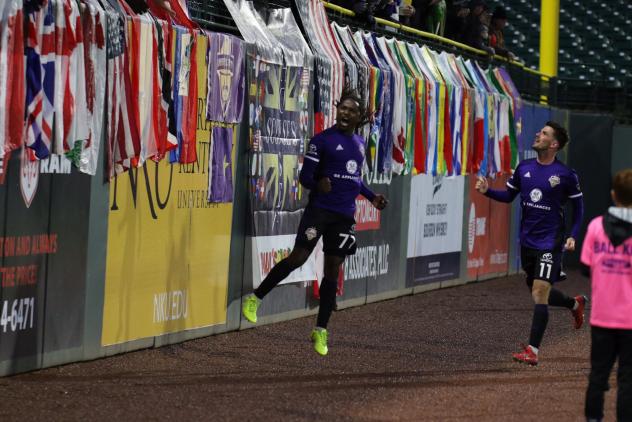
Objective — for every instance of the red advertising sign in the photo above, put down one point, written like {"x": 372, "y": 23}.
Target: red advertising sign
{"x": 488, "y": 232}
{"x": 500, "y": 222}
{"x": 367, "y": 217}
{"x": 477, "y": 231}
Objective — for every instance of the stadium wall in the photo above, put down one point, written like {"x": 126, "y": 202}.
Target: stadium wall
{"x": 621, "y": 148}
{"x": 590, "y": 153}
{"x": 65, "y": 298}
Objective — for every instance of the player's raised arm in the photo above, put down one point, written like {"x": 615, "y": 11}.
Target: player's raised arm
{"x": 507, "y": 195}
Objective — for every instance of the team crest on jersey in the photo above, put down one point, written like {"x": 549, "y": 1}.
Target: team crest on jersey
{"x": 554, "y": 181}
{"x": 29, "y": 177}
{"x": 352, "y": 167}
{"x": 535, "y": 195}
{"x": 311, "y": 233}
{"x": 312, "y": 149}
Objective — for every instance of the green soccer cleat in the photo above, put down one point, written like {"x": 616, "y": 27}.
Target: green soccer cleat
{"x": 319, "y": 337}
{"x": 249, "y": 308}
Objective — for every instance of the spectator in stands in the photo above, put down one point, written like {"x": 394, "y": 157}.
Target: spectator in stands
{"x": 456, "y": 18}
{"x": 164, "y": 4}
{"x": 386, "y": 9}
{"x": 406, "y": 12}
{"x": 496, "y": 35}
{"x": 418, "y": 19}
{"x": 363, "y": 9}
{"x": 476, "y": 29}
{"x": 435, "y": 17}
{"x": 429, "y": 16}
{"x": 368, "y": 10}
{"x": 395, "y": 10}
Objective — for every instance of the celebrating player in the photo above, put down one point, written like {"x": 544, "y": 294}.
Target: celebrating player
{"x": 332, "y": 171}
{"x": 544, "y": 185}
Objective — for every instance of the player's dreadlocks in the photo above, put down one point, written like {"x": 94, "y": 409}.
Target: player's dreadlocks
{"x": 349, "y": 93}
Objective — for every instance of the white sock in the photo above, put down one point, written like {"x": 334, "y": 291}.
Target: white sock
{"x": 320, "y": 329}
{"x": 534, "y": 349}
{"x": 576, "y": 305}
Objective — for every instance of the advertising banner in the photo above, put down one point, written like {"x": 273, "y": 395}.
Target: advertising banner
{"x": 371, "y": 257}
{"x": 37, "y": 240}
{"x": 378, "y": 264}
{"x": 279, "y": 78}
{"x": 66, "y": 269}
{"x": 500, "y": 224}
{"x": 271, "y": 250}
{"x": 434, "y": 229}
{"x": 168, "y": 248}
{"x": 488, "y": 232}
{"x": 278, "y": 139}
{"x": 477, "y": 231}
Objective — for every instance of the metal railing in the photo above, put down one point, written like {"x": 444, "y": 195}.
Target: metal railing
{"x": 532, "y": 84}
{"x": 585, "y": 94}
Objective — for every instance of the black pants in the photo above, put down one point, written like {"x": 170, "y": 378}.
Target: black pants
{"x": 607, "y": 345}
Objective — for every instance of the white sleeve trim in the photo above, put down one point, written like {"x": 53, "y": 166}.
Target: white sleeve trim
{"x": 312, "y": 158}
{"x": 512, "y": 186}
{"x": 577, "y": 195}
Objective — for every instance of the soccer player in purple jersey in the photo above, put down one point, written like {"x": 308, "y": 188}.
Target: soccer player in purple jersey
{"x": 332, "y": 171}
{"x": 544, "y": 184}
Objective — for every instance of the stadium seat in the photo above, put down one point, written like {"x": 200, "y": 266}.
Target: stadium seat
{"x": 591, "y": 32}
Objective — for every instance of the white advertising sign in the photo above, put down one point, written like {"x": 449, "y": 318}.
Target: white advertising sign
{"x": 269, "y": 250}
{"x": 436, "y": 215}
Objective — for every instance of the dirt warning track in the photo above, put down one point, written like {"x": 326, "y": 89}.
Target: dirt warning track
{"x": 443, "y": 355}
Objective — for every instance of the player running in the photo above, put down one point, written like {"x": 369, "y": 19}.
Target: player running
{"x": 332, "y": 171}
{"x": 544, "y": 184}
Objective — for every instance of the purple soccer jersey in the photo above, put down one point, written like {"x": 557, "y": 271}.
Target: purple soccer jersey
{"x": 221, "y": 170}
{"x": 339, "y": 157}
{"x": 226, "y": 78}
{"x": 544, "y": 190}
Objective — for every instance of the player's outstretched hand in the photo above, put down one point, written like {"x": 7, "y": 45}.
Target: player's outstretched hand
{"x": 570, "y": 244}
{"x": 324, "y": 185}
{"x": 481, "y": 184}
{"x": 380, "y": 202}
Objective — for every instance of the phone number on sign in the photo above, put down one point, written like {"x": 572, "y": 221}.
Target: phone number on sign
{"x": 17, "y": 315}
